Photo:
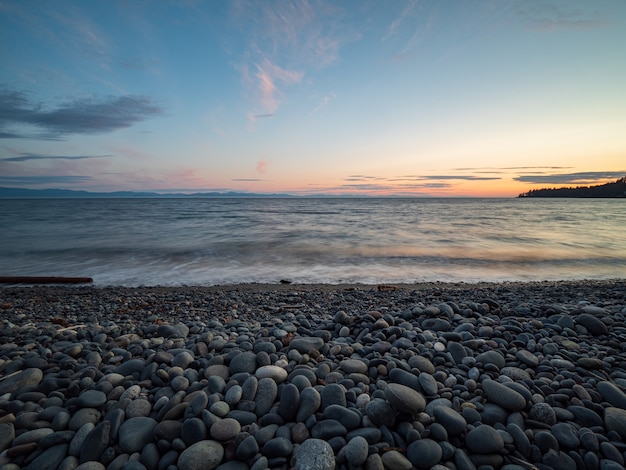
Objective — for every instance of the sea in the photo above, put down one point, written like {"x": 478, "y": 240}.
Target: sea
{"x": 219, "y": 241}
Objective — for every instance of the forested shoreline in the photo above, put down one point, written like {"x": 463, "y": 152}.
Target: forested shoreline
{"x": 608, "y": 190}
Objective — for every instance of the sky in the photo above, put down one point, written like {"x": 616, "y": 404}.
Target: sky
{"x": 485, "y": 98}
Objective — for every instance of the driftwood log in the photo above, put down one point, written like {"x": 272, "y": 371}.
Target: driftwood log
{"x": 44, "y": 280}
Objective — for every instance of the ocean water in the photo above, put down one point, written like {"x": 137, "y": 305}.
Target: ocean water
{"x": 217, "y": 241}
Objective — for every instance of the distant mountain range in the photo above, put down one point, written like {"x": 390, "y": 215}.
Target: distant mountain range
{"x": 608, "y": 190}
{"x": 20, "y": 193}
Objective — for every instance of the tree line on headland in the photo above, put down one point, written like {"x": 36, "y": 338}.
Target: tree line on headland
{"x": 615, "y": 189}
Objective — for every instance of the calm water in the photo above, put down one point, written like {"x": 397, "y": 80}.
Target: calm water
{"x": 134, "y": 242}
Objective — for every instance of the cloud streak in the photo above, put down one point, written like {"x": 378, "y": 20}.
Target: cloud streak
{"x": 23, "y": 157}
{"x": 548, "y": 17}
{"x": 44, "y": 179}
{"x": 81, "y": 116}
{"x": 590, "y": 177}
{"x": 287, "y": 40}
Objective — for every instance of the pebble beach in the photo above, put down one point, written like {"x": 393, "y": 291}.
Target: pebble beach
{"x": 514, "y": 376}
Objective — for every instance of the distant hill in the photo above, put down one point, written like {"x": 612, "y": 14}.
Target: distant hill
{"x": 20, "y": 193}
{"x": 608, "y": 190}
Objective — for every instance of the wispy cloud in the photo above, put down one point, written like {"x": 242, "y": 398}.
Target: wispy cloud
{"x": 81, "y": 116}
{"x": 409, "y": 178}
{"x": 590, "y": 177}
{"x": 287, "y": 40}
{"x": 552, "y": 16}
{"x": 41, "y": 179}
{"x": 30, "y": 156}
{"x": 505, "y": 168}
{"x": 408, "y": 10}
{"x": 459, "y": 177}
{"x": 247, "y": 180}
{"x": 404, "y": 184}
{"x": 261, "y": 167}
{"x": 268, "y": 77}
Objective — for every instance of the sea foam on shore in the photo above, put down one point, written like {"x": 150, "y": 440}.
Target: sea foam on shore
{"x": 315, "y": 377}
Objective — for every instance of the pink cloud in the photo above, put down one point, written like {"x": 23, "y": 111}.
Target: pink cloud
{"x": 268, "y": 74}
{"x": 261, "y": 167}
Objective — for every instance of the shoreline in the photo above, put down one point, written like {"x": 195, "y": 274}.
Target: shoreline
{"x": 261, "y": 376}
{"x": 287, "y": 286}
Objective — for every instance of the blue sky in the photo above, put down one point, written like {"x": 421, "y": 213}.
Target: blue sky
{"x": 450, "y": 98}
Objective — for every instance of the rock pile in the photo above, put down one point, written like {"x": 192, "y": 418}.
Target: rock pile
{"x": 502, "y": 376}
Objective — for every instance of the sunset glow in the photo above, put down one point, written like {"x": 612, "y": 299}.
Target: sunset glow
{"x": 309, "y": 97}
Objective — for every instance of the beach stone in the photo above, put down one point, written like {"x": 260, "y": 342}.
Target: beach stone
{"x": 233, "y": 395}
{"x": 247, "y": 449}
{"x": 278, "y": 374}
{"x": 137, "y": 408}
{"x": 424, "y": 453}
{"x": 91, "y": 466}
{"x": 615, "y": 420}
{"x": 422, "y": 363}
{"x": 333, "y": 394}
{"x": 173, "y": 331}
{"x": 428, "y": 384}
{"x": 520, "y": 439}
{"x": 243, "y": 362}
{"x": 34, "y": 435}
{"x": 225, "y": 429}
{"x": 515, "y": 373}
{"x": 491, "y": 357}
{"x": 405, "y": 399}
{"x": 130, "y": 367}
{"x": 503, "y": 396}
{"x": 277, "y": 447}
{"x": 328, "y": 429}
{"x": 394, "y": 460}
{"x": 79, "y": 438}
{"x": 305, "y": 345}
{"x": 24, "y": 379}
{"x": 592, "y": 363}
{"x": 135, "y": 433}
{"x": 49, "y": 459}
{"x": 589, "y": 440}
{"x": 349, "y": 418}
{"x": 380, "y": 412}
{"x": 545, "y": 440}
{"x": 265, "y": 396}
{"x": 193, "y": 430}
{"x": 585, "y": 416}
{"x": 355, "y": 451}
{"x": 219, "y": 370}
{"x": 451, "y": 420}
{"x": 289, "y": 401}
{"x": 594, "y": 325}
{"x": 527, "y": 358}
{"x": 182, "y": 359}
{"x": 310, "y": 401}
{"x": 457, "y": 351}
{"x": 351, "y": 366}
{"x": 95, "y": 442}
{"x": 314, "y": 454}
{"x": 558, "y": 460}
{"x": 436, "y": 324}
{"x": 612, "y": 394}
{"x": 543, "y": 413}
{"x": 484, "y": 440}
{"x": 566, "y": 435}
{"x": 7, "y": 434}
{"x": 203, "y": 455}
{"x": 404, "y": 377}
{"x": 92, "y": 399}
